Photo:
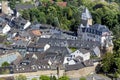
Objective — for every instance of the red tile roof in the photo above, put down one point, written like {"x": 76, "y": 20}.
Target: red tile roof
{"x": 63, "y": 4}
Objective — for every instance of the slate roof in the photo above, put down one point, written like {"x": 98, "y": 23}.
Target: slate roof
{"x": 83, "y": 44}
{"x": 74, "y": 67}
{"x": 96, "y": 29}
{"x": 20, "y": 44}
{"x": 79, "y": 65}
{"x": 60, "y": 50}
{"x": 63, "y": 36}
{"x": 100, "y": 27}
{"x": 69, "y": 43}
{"x": 88, "y": 63}
{"x": 84, "y": 51}
{"x": 23, "y": 6}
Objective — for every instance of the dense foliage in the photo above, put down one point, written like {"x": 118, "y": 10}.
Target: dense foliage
{"x": 21, "y": 77}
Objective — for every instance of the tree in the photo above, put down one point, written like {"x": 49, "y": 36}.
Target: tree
{"x": 26, "y": 15}
{"x": 53, "y": 78}
{"x": 82, "y": 78}
{"x": 34, "y": 79}
{"x": 117, "y": 63}
{"x": 21, "y": 77}
{"x": 5, "y": 64}
{"x": 43, "y": 77}
{"x": 12, "y": 4}
{"x": 107, "y": 62}
{"x": 64, "y": 78}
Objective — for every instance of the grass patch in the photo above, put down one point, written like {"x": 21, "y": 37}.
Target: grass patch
{"x": 73, "y": 49}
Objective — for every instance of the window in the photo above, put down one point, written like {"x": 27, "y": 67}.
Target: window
{"x": 30, "y": 49}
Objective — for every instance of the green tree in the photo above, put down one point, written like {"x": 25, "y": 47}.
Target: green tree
{"x": 43, "y": 77}
{"x": 21, "y": 77}
{"x": 34, "y": 79}
{"x": 5, "y": 64}
{"x": 107, "y": 62}
{"x": 53, "y": 78}
{"x": 64, "y": 78}
{"x": 12, "y": 4}
{"x": 82, "y": 78}
{"x": 117, "y": 63}
{"x": 26, "y": 15}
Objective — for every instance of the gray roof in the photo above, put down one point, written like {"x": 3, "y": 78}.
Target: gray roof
{"x": 74, "y": 67}
{"x": 88, "y": 63}
{"x": 20, "y": 44}
{"x": 97, "y": 29}
{"x": 100, "y": 27}
{"x": 84, "y": 50}
{"x": 96, "y": 51}
{"x": 18, "y": 22}
{"x": 23, "y": 6}
{"x": 69, "y": 43}
{"x": 60, "y": 50}
{"x": 79, "y": 65}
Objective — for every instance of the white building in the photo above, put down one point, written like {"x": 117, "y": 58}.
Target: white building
{"x": 79, "y": 55}
{"x": 6, "y": 29}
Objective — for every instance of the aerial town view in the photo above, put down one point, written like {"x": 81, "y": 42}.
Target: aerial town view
{"x": 59, "y": 39}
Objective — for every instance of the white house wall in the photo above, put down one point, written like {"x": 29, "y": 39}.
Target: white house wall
{"x": 27, "y": 24}
{"x": 86, "y": 56}
{"x": 6, "y": 29}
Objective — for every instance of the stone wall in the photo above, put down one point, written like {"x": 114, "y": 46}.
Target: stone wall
{"x": 81, "y": 72}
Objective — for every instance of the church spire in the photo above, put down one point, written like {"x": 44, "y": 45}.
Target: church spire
{"x": 86, "y": 17}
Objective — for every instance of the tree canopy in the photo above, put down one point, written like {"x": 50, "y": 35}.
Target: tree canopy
{"x": 5, "y": 64}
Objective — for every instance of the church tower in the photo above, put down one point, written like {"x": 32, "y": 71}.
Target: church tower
{"x": 86, "y": 18}
{"x": 86, "y": 21}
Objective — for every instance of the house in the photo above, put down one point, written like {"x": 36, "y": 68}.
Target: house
{"x": 20, "y": 23}
{"x": 79, "y": 65}
{"x": 96, "y": 32}
{"x": 34, "y": 47}
{"x": 80, "y": 55}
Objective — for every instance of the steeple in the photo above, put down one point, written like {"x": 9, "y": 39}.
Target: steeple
{"x": 86, "y": 17}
